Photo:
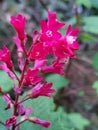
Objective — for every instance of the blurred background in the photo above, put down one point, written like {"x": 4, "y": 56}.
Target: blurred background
{"x": 77, "y": 93}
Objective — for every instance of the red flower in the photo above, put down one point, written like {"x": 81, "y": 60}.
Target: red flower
{"x": 42, "y": 90}
{"x": 71, "y": 36}
{"x": 38, "y": 52}
{"x": 5, "y": 57}
{"x": 49, "y": 30}
{"x": 69, "y": 42}
{"x": 19, "y": 24}
{"x": 31, "y": 78}
{"x": 49, "y": 34}
{"x": 56, "y": 67}
{"x": 10, "y": 122}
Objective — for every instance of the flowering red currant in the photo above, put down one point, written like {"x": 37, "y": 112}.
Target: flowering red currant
{"x": 47, "y": 41}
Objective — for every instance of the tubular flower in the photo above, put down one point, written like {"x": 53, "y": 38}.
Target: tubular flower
{"x": 5, "y": 57}
{"x": 40, "y": 122}
{"x": 42, "y": 90}
{"x": 18, "y": 44}
{"x": 31, "y": 78}
{"x": 19, "y": 24}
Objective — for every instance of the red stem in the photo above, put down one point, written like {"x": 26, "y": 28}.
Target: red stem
{"x": 17, "y": 95}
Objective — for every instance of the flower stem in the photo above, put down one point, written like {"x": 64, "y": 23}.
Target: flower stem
{"x": 24, "y": 99}
{"x": 17, "y": 95}
{"x": 20, "y": 122}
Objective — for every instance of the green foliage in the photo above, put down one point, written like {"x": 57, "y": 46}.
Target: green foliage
{"x": 95, "y": 61}
{"x": 3, "y": 114}
{"x": 81, "y": 93}
{"x": 78, "y": 121}
{"x": 87, "y": 37}
{"x": 71, "y": 21}
{"x": 57, "y": 80}
{"x": 95, "y": 86}
{"x": 90, "y": 24}
{"x": 5, "y": 82}
{"x": 86, "y": 3}
{"x": 43, "y": 108}
{"x": 94, "y": 3}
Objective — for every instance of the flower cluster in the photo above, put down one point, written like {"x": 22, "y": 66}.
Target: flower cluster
{"x": 46, "y": 42}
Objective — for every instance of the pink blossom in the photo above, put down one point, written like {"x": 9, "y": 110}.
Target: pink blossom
{"x": 5, "y": 57}
{"x": 16, "y": 89}
{"x": 10, "y": 122}
{"x": 22, "y": 111}
{"x": 42, "y": 90}
{"x": 18, "y": 44}
{"x": 21, "y": 63}
{"x": 31, "y": 78}
{"x": 39, "y": 64}
{"x": 36, "y": 37}
{"x": 19, "y": 24}
{"x": 40, "y": 122}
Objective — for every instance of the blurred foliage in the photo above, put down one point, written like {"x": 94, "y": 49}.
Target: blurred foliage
{"x": 95, "y": 86}
{"x": 57, "y": 80}
{"x": 5, "y": 82}
{"x": 90, "y": 24}
{"x": 95, "y": 61}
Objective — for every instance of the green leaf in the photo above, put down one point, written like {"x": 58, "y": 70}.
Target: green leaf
{"x": 95, "y": 86}
{"x": 43, "y": 109}
{"x": 81, "y": 93}
{"x": 86, "y": 3}
{"x": 94, "y": 3}
{"x": 71, "y": 21}
{"x": 78, "y": 121}
{"x": 4, "y": 114}
{"x": 5, "y": 82}
{"x": 95, "y": 61}
{"x": 57, "y": 80}
{"x": 90, "y": 24}
{"x": 87, "y": 37}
